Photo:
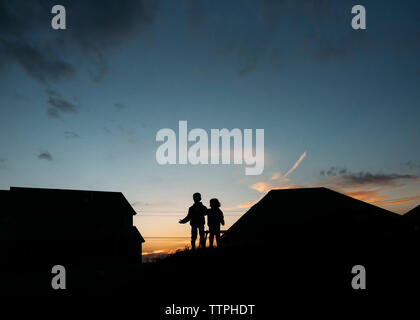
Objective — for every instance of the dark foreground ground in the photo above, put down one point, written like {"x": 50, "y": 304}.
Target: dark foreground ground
{"x": 270, "y": 276}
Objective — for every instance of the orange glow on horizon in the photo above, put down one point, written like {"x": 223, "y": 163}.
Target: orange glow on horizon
{"x": 367, "y": 196}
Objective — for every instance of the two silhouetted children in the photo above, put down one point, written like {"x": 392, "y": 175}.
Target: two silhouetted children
{"x": 196, "y": 218}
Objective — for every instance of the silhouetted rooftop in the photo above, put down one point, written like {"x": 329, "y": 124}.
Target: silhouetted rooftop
{"x": 297, "y": 212}
{"x": 66, "y": 202}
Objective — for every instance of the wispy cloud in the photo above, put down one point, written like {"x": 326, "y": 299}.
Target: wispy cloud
{"x": 59, "y": 105}
{"x": 370, "y": 196}
{"x": 264, "y": 187}
{"x": 297, "y": 163}
{"x": 398, "y": 201}
{"x": 275, "y": 176}
{"x": 279, "y": 181}
{"x": 246, "y": 205}
{"x": 375, "y": 197}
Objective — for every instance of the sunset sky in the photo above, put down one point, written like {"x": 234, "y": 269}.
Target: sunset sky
{"x": 80, "y": 108}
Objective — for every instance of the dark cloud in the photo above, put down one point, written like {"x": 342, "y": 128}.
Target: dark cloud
{"x": 71, "y": 135}
{"x": 62, "y": 105}
{"x": 333, "y": 171}
{"x": 36, "y": 63}
{"x": 97, "y": 29}
{"x": 366, "y": 178}
{"x": 53, "y": 113}
{"x": 59, "y": 105}
{"x": 45, "y": 155}
{"x": 93, "y": 30}
{"x": 2, "y": 163}
{"x": 343, "y": 178}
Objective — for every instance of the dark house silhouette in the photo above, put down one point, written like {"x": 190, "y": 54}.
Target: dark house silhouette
{"x": 50, "y": 226}
{"x": 311, "y": 214}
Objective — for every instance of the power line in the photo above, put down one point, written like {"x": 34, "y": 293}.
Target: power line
{"x": 175, "y": 216}
{"x": 178, "y": 211}
{"x": 167, "y": 237}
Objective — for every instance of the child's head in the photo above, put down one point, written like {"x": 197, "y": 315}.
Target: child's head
{"x": 196, "y": 197}
{"x": 214, "y": 203}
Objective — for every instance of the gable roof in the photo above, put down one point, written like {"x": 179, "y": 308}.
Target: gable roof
{"x": 293, "y": 212}
{"x": 45, "y": 202}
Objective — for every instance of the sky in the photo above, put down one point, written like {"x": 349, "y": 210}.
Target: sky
{"x": 80, "y": 108}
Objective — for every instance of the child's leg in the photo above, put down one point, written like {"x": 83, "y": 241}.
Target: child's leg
{"x": 193, "y": 236}
{"x": 218, "y": 238}
{"x": 211, "y": 238}
{"x": 202, "y": 239}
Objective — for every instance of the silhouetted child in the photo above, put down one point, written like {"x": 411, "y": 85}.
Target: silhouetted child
{"x": 195, "y": 216}
{"x": 214, "y": 219}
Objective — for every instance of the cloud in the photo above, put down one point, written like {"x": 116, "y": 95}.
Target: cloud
{"x": 36, "y": 63}
{"x": 367, "y": 186}
{"x": 333, "y": 171}
{"x": 374, "y": 196}
{"x": 279, "y": 181}
{"x": 401, "y": 200}
{"x": 59, "y": 105}
{"x": 53, "y": 113}
{"x": 2, "y": 163}
{"x": 246, "y": 205}
{"x": 364, "y": 179}
{"x": 93, "y": 30}
{"x": 279, "y": 176}
{"x": 297, "y": 163}
{"x": 264, "y": 187}
{"x": 45, "y": 155}
{"x": 275, "y": 176}
{"x": 62, "y": 105}
{"x": 370, "y": 196}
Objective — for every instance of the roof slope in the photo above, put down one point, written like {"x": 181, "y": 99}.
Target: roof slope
{"x": 45, "y": 202}
{"x": 292, "y": 213}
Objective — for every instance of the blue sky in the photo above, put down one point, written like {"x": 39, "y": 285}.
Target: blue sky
{"x": 80, "y": 108}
